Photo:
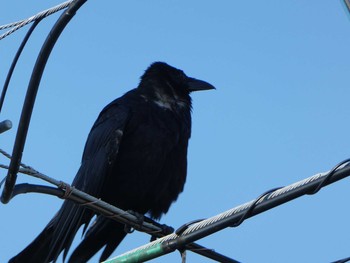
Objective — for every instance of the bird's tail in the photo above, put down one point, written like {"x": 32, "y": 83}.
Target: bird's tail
{"x": 35, "y": 251}
{"x": 56, "y": 236}
{"x": 103, "y": 232}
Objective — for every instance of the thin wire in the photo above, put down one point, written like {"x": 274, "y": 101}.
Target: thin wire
{"x": 324, "y": 181}
{"x": 4, "y": 153}
{"x": 148, "y": 226}
{"x": 2, "y": 182}
{"x": 21, "y": 170}
{"x": 31, "y": 95}
{"x": 253, "y": 205}
{"x": 329, "y": 175}
{"x": 347, "y": 3}
{"x": 228, "y": 218}
{"x": 15, "y": 60}
{"x": 27, "y": 169}
{"x": 344, "y": 260}
{"x": 19, "y": 24}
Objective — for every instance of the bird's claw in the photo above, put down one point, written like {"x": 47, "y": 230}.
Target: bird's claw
{"x": 140, "y": 218}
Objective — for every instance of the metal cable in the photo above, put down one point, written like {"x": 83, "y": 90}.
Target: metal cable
{"x": 17, "y": 25}
{"x": 65, "y": 191}
{"x": 347, "y": 3}
{"x": 31, "y": 96}
{"x": 229, "y": 218}
{"x": 185, "y": 237}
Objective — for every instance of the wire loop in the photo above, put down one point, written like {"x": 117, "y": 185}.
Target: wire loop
{"x": 67, "y": 188}
{"x": 328, "y": 176}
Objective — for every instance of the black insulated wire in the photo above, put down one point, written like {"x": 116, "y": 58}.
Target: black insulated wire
{"x": 5, "y": 126}
{"x": 347, "y": 4}
{"x": 344, "y": 260}
{"x": 162, "y": 229}
{"x": 248, "y": 212}
{"x": 328, "y": 176}
{"x": 232, "y": 216}
{"x": 14, "y": 62}
{"x": 31, "y": 96}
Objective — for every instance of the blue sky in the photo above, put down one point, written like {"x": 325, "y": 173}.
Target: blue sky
{"x": 279, "y": 114}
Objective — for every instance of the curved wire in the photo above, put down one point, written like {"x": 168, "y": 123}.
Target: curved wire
{"x": 15, "y": 60}
{"x": 328, "y": 176}
{"x": 248, "y": 212}
{"x": 31, "y": 96}
{"x": 347, "y": 3}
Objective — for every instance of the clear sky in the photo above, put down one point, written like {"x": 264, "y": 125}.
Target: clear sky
{"x": 279, "y": 114}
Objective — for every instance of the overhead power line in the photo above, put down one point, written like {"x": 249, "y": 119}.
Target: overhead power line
{"x": 65, "y": 191}
{"x": 184, "y": 237}
{"x": 32, "y": 90}
{"x": 347, "y": 3}
{"x": 235, "y": 216}
{"x": 18, "y": 24}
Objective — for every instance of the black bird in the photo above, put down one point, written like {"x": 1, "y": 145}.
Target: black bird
{"x": 135, "y": 158}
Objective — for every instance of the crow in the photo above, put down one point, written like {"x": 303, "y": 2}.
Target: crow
{"x": 135, "y": 158}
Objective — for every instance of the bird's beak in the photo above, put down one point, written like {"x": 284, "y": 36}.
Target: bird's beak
{"x": 196, "y": 84}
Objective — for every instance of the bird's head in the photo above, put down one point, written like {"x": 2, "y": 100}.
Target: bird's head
{"x": 170, "y": 86}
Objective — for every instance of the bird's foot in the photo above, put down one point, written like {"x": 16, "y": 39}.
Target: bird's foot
{"x": 140, "y": 218}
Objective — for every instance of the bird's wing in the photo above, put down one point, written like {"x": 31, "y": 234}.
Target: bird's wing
{"x": 100, "y": 152}
{"x": 102, "y": 147}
